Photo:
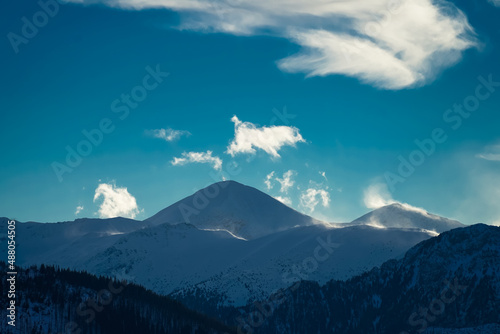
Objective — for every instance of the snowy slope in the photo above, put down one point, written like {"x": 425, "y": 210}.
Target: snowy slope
{"x": 244, "y": 211}
{"x": 406, "y": 216}
{"x": 446, "y": 284}
{"x": 314, "y": 253}
{"x": 165, "y": 257}
{"x": 67, "y": 243}
{"x": 184, "y": 260}
{"x": 241, "y": 244}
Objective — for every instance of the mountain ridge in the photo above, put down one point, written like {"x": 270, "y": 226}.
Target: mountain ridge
{"x": 445, "y": 284}
{"x": 171, "y": 256}
{"x": 242, "y": 210}
{"x": 231, "y": 206}
{"x": 406, "y": 216}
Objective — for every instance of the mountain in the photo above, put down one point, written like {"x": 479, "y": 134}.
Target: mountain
{"x": 187, "y": 262}
{"x": 183, "y": 260}
{"x": 64, "y": 301}
{"x": 406, "y": 216}
{"x": 242, "y": 210}
{"x": 241, "y": 245}
{"x": 316, "y": 253}
{"x": 446, "y": 284}
{"x": 165, "y": 257}
{"x": 67, "y": 244}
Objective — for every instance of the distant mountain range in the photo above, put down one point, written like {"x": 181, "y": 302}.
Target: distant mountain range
{"x": 229, "y": 245}
{"x": 229, "y": 241}
{"x": 443, "y": 284}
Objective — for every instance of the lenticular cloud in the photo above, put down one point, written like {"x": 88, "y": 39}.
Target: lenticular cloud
{"x": 390, "y": 44}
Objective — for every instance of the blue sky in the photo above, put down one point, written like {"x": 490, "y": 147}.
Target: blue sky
{"x": 329, "y": 97}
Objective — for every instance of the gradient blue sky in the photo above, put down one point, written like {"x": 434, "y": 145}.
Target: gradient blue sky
{"x": 64, "y": 80}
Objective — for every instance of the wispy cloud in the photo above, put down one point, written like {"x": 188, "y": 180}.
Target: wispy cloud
{"x": 324, "y": 175}
{"x": 286, "y": 181}
{"x": 248, "y": 137}
{"x": 79, "y": 209}
{"x": 168, "y": 134}
{"x": 117, "y": 202}
{"x": 491, "y": 153}
{"x": 269, "y": 180}
{"x": 198, "y": 157}
{"x": 310, "y": 198}
{"x": 388, "y": 44}
{"x": 495, "y": 2}
{"x": 377, "y": 195}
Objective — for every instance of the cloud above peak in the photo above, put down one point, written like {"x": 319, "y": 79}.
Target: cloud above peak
{"x": 198, "y": 157}
{"x": 117, "y": 201}
{"x": 377, "y": 195}
{"x": 388, "y": 44}
{"x": 248, "y": 137}
{"x": 78, "y": 209}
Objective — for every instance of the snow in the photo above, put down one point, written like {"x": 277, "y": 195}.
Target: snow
{"x": 240, "y": 245}
{"x": 244, "y": 211}
{"x": 405, "y": 216}
{"x": 486, "y": 329}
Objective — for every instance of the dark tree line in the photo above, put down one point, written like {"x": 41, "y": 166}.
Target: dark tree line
{"x": 55, "y": 300}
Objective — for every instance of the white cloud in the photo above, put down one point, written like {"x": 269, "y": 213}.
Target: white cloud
{"x": 117, "y": 202}
{"x": 495, "y": 2}
{"x": 248, "y": 137}
{"x": 377, "y": 195}
{"x": 286, "y": 182}
{"x": 284, "y": 200}
{"x": 323, "y": 174}
{"x": 491, "y": 153}
{"x": 79, "y": 209}
{"x": 198, "y": 157}
{"x": 168, "y": 134}
{"x": 312, "y": 197}
{"x": 389, "y": 44}
{"x": 269, "y": 180}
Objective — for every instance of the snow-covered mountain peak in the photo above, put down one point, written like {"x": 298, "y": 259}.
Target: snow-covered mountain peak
{"x": 406, "y": 216}
{"x": 243, "y": 211}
